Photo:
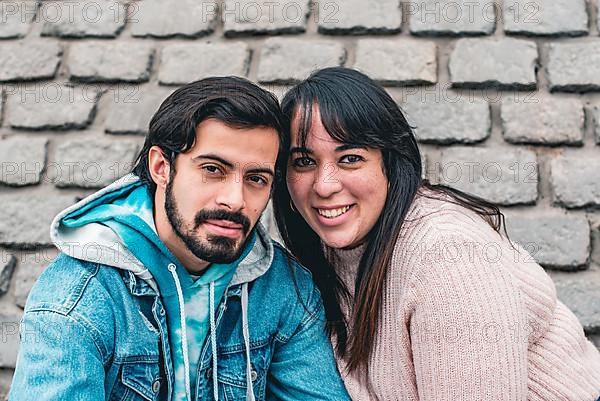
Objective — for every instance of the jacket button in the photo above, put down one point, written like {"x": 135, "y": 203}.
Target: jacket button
{"x": 156, "y": 385}
{"x": 208, "y": 373}
{"x": 253, "y": 375}
{"x": 162, "y": 311}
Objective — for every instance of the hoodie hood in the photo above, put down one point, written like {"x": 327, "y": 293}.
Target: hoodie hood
{"x": 115, "y": 227}
{"x": 80, "y": 231}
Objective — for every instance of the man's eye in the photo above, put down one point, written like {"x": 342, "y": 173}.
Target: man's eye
{"x": 351, "y": 159}
{"x": 258, "y": 179}
{"x": 211, "y": 169}
{"x": 303, "y": 162}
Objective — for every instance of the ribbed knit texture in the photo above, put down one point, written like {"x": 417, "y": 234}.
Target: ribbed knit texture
{"x": 468, "y": 317}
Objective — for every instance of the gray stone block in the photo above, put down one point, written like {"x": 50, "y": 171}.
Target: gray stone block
{"x": 503, "y": 63}
{"x": 452, "y": 18}
{"x": 7, "y": 266}
{"x": 25, "y": 219}
{"x": 110, "y": 62}
{"x": 9, "y": 346}
{"x": 580, "y": 292}
{"x": 94, "y": 163}
{"x": 183, "y": 63}
{"x": 16, "y": 17}
{"x": 359, "y": 17}
{"x": 173, "y": 18}
{"x": 457, "y": 120}
{"x": 27, "y": 61}
{"x": 29, "y": 269}
{"x": 397, "y": 61}
{"x": 545, "y": 17}
{"x": 51, "y": 106}
{"x": 595, "y": 111}
{"x": 289, "y": 60}
{"x": 574, "y": 66}
{"x": 131, "y": 111}
{"x": 258, "y": 17}
{"x": 23, "y": 160}
{"x": 507, "y": 177}
{"x": 553, "y": 238}
{"x": 84, "y": 18}
{"x": 574, "y": 179}
{"x": 543, "y": 120}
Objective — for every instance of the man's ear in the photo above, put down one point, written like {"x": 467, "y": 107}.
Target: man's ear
{"x": 159, "y": 166}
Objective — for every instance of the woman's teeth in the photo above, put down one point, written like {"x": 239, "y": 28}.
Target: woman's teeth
{"x": 332, "y": 213}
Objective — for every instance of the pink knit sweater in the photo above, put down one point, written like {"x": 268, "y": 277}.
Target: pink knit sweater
{"x": 467, "y": 317}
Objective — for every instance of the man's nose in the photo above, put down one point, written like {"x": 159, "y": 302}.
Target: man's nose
{"x": 231, "y": 194}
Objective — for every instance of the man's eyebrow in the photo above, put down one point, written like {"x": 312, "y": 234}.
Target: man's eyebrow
{"x": 211, "y": 156}
{"x": 264, "y": 170}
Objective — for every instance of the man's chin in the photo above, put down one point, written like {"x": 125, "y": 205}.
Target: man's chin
{"x": 220, "y": 257}
{"x": 222, "y": 250}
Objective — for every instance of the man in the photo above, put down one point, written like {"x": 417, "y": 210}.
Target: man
{"x": 167, "y": 287}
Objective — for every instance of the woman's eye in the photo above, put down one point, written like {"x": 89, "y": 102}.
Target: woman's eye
{"x": 303, "y": 162}
{"x": 351, "y": 159}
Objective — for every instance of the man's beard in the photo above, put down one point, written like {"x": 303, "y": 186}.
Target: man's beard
{"x": 213, "y": 249}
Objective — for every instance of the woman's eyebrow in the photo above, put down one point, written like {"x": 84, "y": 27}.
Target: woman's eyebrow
{"x": 349, "y": 146}
{"x": 341, "y": 148}
{"x": 300, "y": 149}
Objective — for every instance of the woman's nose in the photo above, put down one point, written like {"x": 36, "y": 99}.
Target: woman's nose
{"x": 327, "y": 181}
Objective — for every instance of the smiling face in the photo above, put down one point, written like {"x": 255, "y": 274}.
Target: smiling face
{"x": 207, "y": 207}
{"x": 339, "y": 189}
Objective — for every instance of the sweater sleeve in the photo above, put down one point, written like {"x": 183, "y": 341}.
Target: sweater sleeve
{"x": 468, "y": 329}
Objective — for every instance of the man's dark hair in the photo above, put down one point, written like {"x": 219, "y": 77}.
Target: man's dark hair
{"x": 234, "y": 101}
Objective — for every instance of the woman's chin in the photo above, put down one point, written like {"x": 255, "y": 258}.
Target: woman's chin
{"x": 336, "y": 242}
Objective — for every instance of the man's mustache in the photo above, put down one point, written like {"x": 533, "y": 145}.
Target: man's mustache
{"x": 220, "y": 214}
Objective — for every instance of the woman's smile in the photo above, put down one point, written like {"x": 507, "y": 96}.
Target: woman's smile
{"x": 333, "y": 216}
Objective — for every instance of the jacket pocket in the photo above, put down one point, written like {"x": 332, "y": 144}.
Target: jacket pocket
{"x": 140, "y": 381}
{"x": 231, "y": 373}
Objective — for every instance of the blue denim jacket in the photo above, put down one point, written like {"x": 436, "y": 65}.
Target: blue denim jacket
{"x": 91, "y": 332}
{"x": 95, "y": 326}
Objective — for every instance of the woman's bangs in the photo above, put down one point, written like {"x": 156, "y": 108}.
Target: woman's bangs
{"x": 339, "y": 126}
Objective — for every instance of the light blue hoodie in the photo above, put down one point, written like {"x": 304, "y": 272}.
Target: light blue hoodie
{"x": 127, "y": 212}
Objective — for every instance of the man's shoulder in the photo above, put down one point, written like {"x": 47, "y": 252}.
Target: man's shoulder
{"x": 286, "y": 284}
{"x": 68, "y": 283}
{"x": 285, "y": 268}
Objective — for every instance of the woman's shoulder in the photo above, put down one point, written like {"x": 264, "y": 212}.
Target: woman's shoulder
{"x": 443, "y": 239}
{"x": 439, "y": 233}
{"x": 434, "y": 216}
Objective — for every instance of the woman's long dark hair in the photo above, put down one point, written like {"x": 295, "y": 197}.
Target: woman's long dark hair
{"x": 356, "y": 110}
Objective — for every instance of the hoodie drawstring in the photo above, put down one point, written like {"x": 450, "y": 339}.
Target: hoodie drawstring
{"x": 213, "y": 337}
{"x": 213, "y": 341}
{"x": 249, "y": 386}
{"x": 186, "y": 362}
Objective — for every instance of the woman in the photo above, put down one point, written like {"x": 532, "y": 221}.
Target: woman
{"x": 426, "y": 298}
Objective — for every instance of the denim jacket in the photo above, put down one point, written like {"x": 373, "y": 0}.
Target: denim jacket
{"x": 93, "y": 332}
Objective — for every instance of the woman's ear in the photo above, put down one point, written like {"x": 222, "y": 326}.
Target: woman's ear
{"x": 159, "y": 166}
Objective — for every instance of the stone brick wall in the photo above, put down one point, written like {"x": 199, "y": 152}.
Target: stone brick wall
{"x": 504, "y": 95}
